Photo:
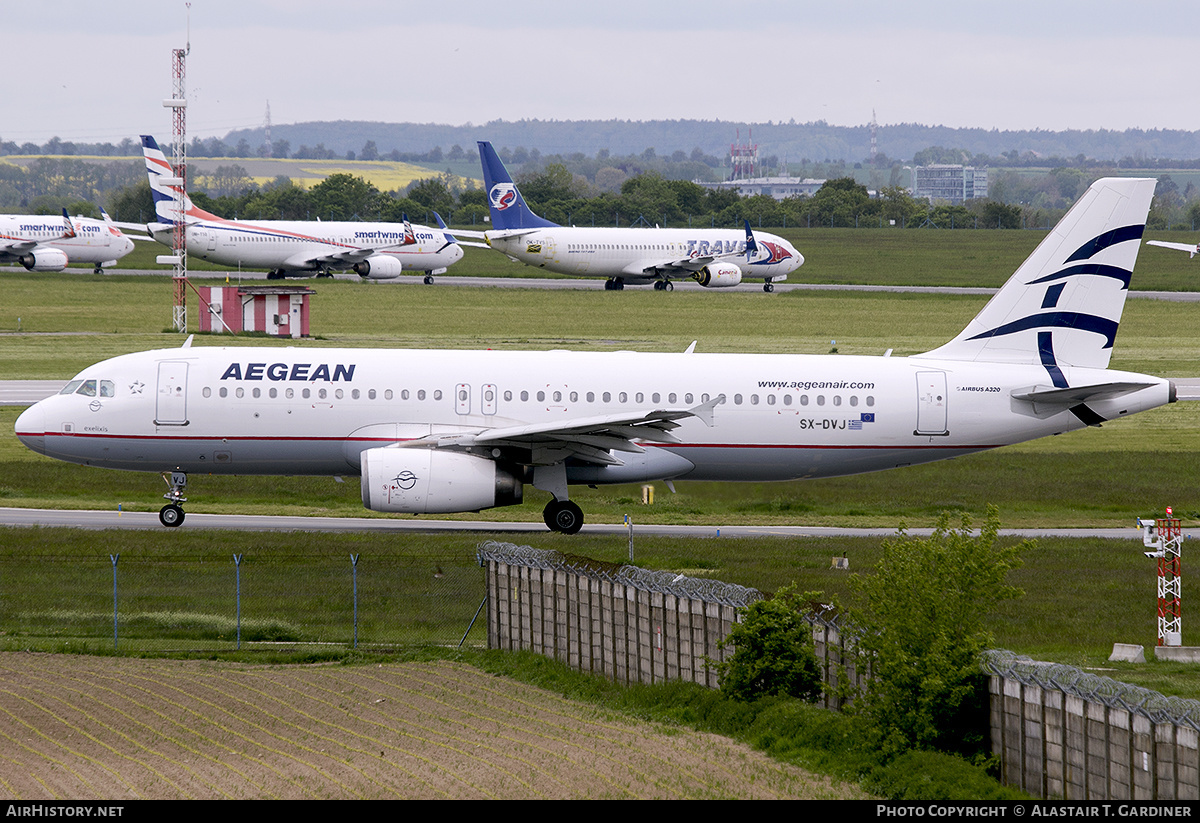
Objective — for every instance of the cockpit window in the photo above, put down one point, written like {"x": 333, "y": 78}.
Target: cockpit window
{"x": 88, "y": 389}
{"x": 70, "y": 387}
{"x": 107, "y": 389}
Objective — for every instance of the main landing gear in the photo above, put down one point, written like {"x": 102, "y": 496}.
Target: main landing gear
{"x": 563, "y": 516}
{"x": 614, "y": 284}
{"x": 171, "y": 515}
{"x": 664, "y": 285}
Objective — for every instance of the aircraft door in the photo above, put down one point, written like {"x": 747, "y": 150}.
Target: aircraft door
{"x": 171, "y": 404}
{"x": 932, "y": 418}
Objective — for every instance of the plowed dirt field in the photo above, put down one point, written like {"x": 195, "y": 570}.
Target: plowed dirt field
{"x": 76, "y": 727}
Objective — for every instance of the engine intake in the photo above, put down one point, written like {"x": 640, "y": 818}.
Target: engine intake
{"x": 429, "y": 481}
{"x": 44, "y": 260}
{"x": 378, "y": 267}
{"x": 719, "y": 276}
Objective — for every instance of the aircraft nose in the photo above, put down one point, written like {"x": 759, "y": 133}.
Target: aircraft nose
{"x": 31, "y": 428}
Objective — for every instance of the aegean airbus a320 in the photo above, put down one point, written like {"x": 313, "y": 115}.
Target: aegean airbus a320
{"x": 435, "y": 431}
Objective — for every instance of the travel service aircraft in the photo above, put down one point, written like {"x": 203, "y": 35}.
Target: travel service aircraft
{"x": 46, "y": 243}
{"x": 455, "y": 431}
{"x": 294, "y": 247}
{"x": 714, "y": 258}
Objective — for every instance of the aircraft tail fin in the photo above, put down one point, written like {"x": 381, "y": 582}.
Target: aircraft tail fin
{"x": 504, "y": 201}
{"x": 1063, "y": 305}
{"x": 167, "y": 188}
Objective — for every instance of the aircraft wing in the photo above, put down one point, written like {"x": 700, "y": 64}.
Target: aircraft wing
{"x": 350, "y": 256}
{"x": 590, "y": 439}
{"x": 1190, "y": 248}
{"x": 694, "y": 263}
{"x": 16, "y": 246}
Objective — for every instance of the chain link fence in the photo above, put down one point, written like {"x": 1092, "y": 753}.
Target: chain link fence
{"x": 245, "y": 600}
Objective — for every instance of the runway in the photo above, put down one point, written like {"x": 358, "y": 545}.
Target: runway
{"x": 83, "y": 519}
{"x": 597, "y": 283}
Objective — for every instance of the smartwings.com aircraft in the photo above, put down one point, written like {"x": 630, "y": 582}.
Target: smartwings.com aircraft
{"x": 48, "y": 243}
{"x": 291, "y": 248}
{"x": 714, "y": 258}
{"x": 458, "y": 431}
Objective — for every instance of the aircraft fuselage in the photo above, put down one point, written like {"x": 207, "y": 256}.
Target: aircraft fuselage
{"x": 633, "y": 254}
{"x": 313, "y": 411}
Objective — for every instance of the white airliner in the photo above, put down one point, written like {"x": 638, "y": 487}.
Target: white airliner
{"x": 47, "y": 243}
{"x": 454, "y": 431}
{"x": 714, "y": 258}
{"x": 378, "y": 251}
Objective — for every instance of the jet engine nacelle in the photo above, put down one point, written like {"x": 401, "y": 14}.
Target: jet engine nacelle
{"x": 431, "y": 481}
{"x": 44, "y": 260}
{"x": 719, "y": 276}
{"x": 378, "y": 267}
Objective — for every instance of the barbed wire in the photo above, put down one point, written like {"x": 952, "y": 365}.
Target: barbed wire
{"x": 678, "y": 585}
{"x": 1097, "y": 688}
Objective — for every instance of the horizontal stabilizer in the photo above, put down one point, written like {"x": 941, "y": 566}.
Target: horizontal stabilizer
{"x": 1077, "y": 394}
{"x": 1190, "y": 248}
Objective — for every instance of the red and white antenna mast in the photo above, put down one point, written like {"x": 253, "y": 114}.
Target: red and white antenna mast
{"x": 178, "y": 106}
{"x": 1165, "y": 536}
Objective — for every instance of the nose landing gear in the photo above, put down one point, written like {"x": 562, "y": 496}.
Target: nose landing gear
{"x": 171, "y": 515}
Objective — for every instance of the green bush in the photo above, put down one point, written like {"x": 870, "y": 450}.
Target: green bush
{"x": 773, "y": 652}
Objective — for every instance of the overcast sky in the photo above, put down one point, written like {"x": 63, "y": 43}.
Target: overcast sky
{"x": 93, "y": 71}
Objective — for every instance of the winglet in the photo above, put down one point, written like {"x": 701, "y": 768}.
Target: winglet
{"x": 751, "y": 246}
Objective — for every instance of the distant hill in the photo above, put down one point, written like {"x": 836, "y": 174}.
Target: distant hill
{"x": 794, "y": 142}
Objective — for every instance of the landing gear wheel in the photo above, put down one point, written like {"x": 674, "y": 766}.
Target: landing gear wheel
{"x": 170, "y": 515}
{"x": 429, "y": 280}
{"x": 97, "y": 270}
{"x": 275, "y": 275}
{"x": 669, "y": 286}
{"x": 768, "y": 287}
{"x": 563, "y": 516}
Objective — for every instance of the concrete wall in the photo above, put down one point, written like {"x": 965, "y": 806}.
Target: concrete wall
{"x": 614, "y": 629}
{"x": 1058, "y": 745}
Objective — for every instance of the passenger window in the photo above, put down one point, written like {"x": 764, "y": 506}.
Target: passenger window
{"x": 437, "y": 394}
{"x": 837, "y": 400}
{"x": 737, "y": 400}
{"x": 524, "y": 396}
{"x": 206, "y": 391}
{"x": 606, "y": 397}
{"x": 370, "y": 394}
{"x": 870, "y": 400}
{"x": 224, "y": 392}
